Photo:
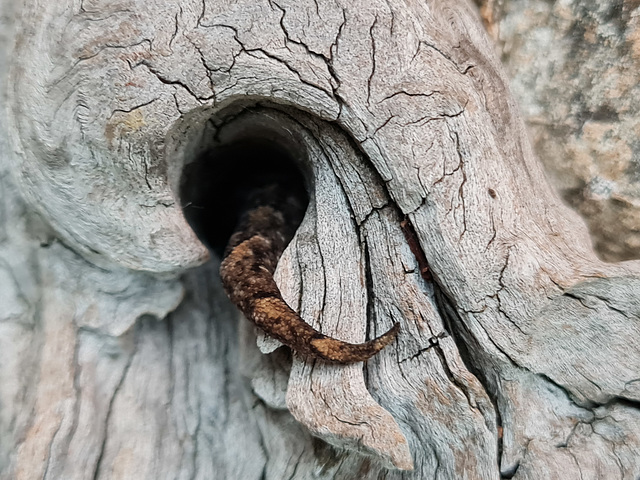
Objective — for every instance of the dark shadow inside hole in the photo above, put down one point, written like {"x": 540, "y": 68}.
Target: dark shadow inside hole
{"x": 217, "y": 186}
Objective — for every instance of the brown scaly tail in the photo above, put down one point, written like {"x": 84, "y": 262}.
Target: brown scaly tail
{"x": 247, "y": 276}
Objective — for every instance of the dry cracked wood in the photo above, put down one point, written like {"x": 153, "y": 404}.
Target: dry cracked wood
{"x": 520, "y": 358}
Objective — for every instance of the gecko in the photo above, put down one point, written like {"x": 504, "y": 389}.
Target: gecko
{"x": 268, "y": 222}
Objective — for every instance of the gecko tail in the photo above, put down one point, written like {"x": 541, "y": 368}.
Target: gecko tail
{"x": 247, "y": 277}
{"x": 271, "y": 313}
{"x": 336, "y": 351}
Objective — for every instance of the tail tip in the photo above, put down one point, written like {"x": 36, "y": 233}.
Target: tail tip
{"x": 335, "y": 351}
{"x": 389, "y": 335}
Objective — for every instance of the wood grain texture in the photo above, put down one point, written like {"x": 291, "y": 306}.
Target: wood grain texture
{"x": 519, "y": 359}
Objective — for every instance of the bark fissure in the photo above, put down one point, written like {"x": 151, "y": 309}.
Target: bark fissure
{"x": 132, "y": 109}
{"x": 287, "y": 66}
{"x": 288, "y": 37}
{"x": 176, "y": 28}
{"x": 110, "y": 409}
{"x": 177, "y": 83}
{"x": 373, "y": 58}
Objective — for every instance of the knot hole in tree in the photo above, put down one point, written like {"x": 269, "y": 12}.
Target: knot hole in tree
{"x": 252, "y": 167}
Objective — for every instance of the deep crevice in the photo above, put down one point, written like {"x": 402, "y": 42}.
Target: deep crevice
{"x": 216, "y": 186}
{"x": 453, "y": 324}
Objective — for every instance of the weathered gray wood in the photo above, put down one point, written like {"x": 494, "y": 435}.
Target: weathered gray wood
{"x": 521, "y": 357}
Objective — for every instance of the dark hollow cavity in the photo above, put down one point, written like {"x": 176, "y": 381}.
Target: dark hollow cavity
{"x": 223, "y": 181}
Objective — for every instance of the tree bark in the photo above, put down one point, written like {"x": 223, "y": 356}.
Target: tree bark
{"x": 120, "y": 356}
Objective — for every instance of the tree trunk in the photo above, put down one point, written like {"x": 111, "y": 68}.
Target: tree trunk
{"x": 120, "y": 357}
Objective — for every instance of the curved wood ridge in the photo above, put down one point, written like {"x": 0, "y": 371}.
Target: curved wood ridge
{"x": 247, "y": 271}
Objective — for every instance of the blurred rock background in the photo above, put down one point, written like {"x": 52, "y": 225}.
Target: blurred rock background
{"x": 574, "y": 67}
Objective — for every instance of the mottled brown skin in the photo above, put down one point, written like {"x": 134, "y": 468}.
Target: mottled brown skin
{"x": 247, "y": 271}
